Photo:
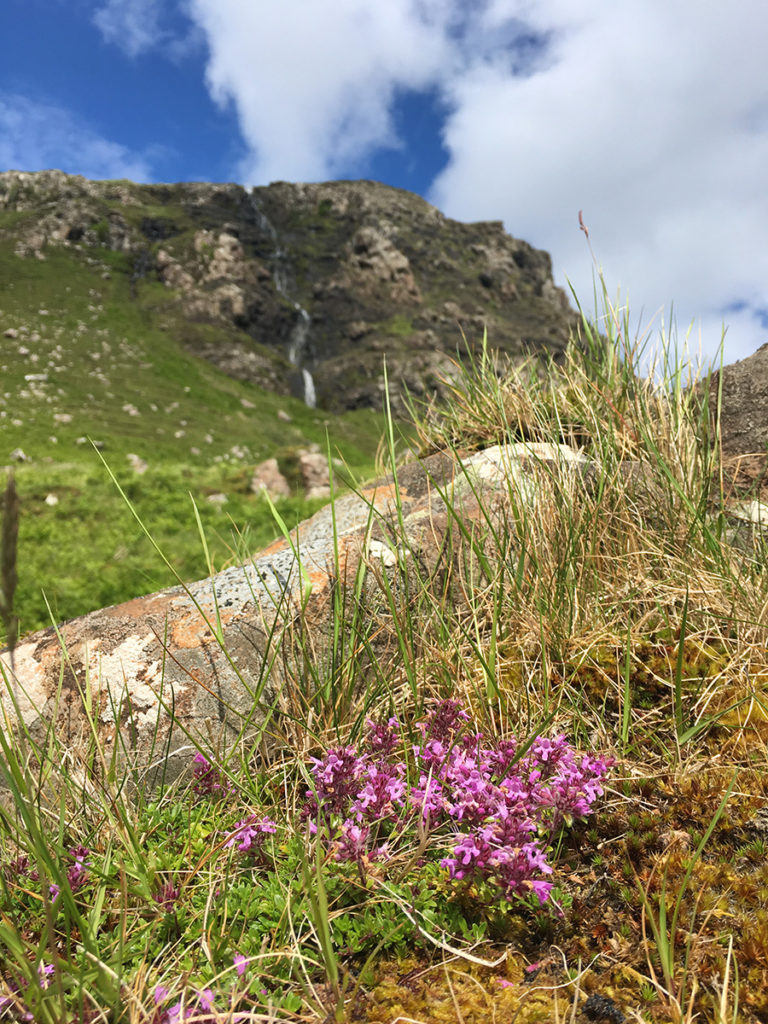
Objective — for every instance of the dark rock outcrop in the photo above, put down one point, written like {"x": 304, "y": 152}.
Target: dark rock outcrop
{"x": 742, "y": 400}
{"x": 303, "y": 287}
{"x": 744, "y": 412}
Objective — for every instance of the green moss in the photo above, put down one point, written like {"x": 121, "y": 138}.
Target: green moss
{"x": 398, "y": 326}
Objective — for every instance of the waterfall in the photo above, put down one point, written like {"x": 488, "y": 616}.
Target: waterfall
{"x": 299, "y": 339}
{"x": 297, "y": 346}
{"x": 309, "y": 388}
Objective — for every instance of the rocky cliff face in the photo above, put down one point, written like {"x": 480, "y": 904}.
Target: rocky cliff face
{"x": 302, "y": 288}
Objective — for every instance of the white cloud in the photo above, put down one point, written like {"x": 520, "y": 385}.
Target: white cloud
{"x": 139, "y": 26}
{"x": 36, "y": 135}
{"x": 133, "y": 25}
{"x": 313, "y": 81}
{"x": 652, "y": 117}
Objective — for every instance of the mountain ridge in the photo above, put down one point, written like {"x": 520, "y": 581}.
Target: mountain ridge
{"x": 302, "y": 288}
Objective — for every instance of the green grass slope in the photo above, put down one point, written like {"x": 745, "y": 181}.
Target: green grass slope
{"x": 90, "y": 359}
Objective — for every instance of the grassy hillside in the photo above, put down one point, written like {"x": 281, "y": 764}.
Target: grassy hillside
{"x": 89, "y": 364}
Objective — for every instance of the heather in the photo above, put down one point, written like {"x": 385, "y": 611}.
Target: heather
{"x": 530, "y": 787}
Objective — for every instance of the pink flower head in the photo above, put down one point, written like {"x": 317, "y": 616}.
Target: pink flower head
{"x": 502, "y": 808}
{"x": 249, "y": 834}
{"x": 208, "y": 779}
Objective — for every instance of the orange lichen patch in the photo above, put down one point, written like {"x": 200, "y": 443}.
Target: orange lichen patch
{"x": 318, "y": 579}
{"x": 383, "y": 493}
{"x": 138, "y": 608}
{"x": 186, "y": 630}
{"x": 280, "y": 544}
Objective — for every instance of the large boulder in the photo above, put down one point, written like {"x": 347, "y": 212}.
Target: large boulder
{"x": 740, "y": 401}
{"x": 206, "y": 664}
{"x": 744, "y": 410}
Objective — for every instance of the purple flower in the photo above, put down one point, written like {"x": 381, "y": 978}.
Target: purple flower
{"x": 432, "y": 754}
{"x": 352, "y": 843}
{"x": 44, "y": 972}
{"x": 18, "y": 866}
{"x": 336, "y": 778}
{"x": 250, "y": 833}
{"x": 166, "y": 896}
{"x": 503, "y": 755}
{"x": 203, "y": 999}
{"x": 445, "y": 719}
{"x": 208, "y": 779}
{"x": 383, "y": 737}
{"x": 428, "y": 797}
{"x": 542, "y": 890}
{"x": 383, "y": 793}
{"x": 501, "y": 809}
{"x": 77, "y": 875}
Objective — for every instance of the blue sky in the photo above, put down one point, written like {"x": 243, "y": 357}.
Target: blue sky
{"x": 651, "y": 116}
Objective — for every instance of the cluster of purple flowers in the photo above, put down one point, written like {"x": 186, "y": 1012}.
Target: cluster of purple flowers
{"x": 14, "y": 1002}
{"x": 201, "y": 1006}
{"x": 209, "y": 782}
{"x": 198, "y": 1004}
{"x": 498, "y": 809}
{"x": 77, "y": 871}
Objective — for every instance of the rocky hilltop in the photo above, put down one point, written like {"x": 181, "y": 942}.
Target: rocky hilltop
{"x": 300, "y": 288}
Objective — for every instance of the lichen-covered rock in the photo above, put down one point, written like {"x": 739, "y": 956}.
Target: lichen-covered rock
{"x": 207, "y": 663}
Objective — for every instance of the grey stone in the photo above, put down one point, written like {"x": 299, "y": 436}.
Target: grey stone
{"x": 313, "y": 467}
{"x": 267, "y": 477}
